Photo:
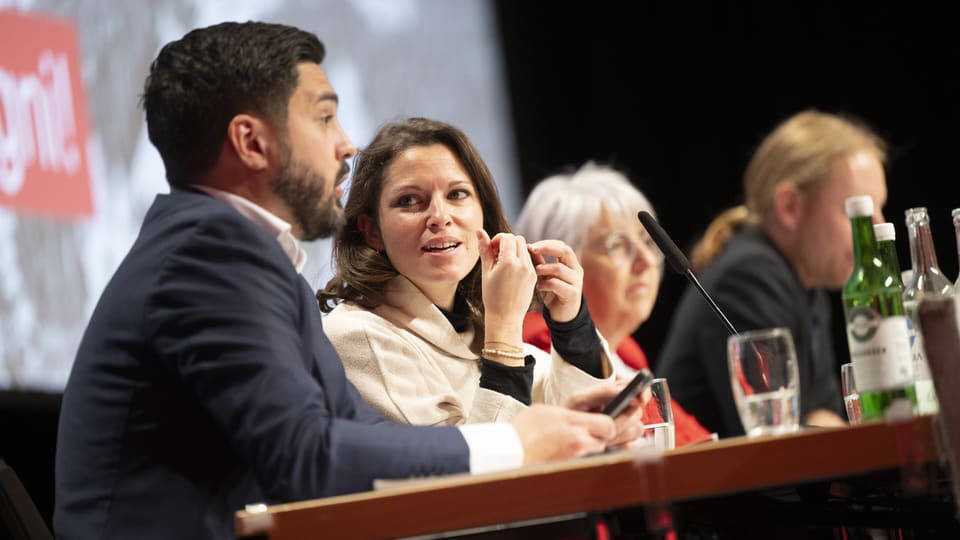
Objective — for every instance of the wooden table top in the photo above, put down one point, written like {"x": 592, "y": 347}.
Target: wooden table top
{"x": 602, "y": 482}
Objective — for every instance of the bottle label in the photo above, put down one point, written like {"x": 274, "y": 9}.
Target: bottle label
{"x": 879, "y": 350}
{"x": 926, "y": 394}
{"x": 913, "y": 330}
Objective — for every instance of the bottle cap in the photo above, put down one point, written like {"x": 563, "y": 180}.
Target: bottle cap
{"x": 859, "y": 206}
{"x": 916, "y": 215}
{"x": 884, "y": 231}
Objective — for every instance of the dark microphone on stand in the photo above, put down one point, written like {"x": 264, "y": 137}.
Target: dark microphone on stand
{"x": 678, "y": 261}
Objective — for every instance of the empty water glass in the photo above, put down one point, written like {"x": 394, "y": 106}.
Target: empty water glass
{"x": 851, "y": 398}
{"x": 658, "y": 416}
{"x": 763, "y": 375}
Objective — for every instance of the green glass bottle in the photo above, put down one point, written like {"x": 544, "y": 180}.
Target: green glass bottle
{"x": 886, "y": 236}
{"x": 877, "y": 333}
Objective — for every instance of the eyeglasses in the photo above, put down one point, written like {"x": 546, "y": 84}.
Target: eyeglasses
{"x": 622, "y": 249}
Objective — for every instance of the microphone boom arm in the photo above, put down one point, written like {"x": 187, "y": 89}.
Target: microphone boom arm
{"x": 716, "y": 309}
{"x": 678, "y": 261}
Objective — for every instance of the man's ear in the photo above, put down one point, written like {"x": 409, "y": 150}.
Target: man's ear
{"x": 370, "y": 232}
{"x": 789, "y": 205}
{"x": 252, "y": 140}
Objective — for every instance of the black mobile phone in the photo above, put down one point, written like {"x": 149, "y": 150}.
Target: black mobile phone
{"x": 640, "y": 382}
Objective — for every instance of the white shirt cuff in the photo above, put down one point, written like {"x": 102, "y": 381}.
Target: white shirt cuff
{"x": 493, "y": 447}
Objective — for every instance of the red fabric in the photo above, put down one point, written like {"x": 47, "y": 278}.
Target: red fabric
{"x": 687, "y": 429}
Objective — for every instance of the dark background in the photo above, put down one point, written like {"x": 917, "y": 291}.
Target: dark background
{"x": 678, "y": 97}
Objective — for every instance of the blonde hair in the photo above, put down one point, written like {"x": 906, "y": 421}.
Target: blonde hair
{"x": 802, "y": 150}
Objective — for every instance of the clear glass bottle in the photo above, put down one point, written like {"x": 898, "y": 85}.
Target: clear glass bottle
{"x": 877, "y": 332}
{"x": 955, "y": 214}
{"x": 927, "y": 280}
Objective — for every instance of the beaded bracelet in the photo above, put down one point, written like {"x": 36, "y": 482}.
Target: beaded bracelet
{"x": 504, "y": 354}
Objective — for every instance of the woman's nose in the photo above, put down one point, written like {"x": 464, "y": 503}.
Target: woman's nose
{"x": 438, "y": 214}
{"x": 643, "y": 257}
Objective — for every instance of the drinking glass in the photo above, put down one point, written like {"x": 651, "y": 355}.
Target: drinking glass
{"x": 658, "y": 416}
{"x": 851, "y": 398}
{"x": 763, "y": 375}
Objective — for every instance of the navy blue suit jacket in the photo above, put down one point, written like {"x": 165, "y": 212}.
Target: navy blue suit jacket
{"x": 204, "y": 382}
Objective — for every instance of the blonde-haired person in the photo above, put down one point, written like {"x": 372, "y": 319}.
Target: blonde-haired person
{"x": 769, "y": 262}
{"x": 594, "y": 211}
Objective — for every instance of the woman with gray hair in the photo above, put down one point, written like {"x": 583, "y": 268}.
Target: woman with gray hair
{"x": 594, "y": 211}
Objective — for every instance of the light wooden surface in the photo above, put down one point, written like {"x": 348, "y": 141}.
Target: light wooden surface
{"x": 601, "y": 482}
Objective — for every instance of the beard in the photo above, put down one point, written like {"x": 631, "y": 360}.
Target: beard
{"x": 302, "y": 190}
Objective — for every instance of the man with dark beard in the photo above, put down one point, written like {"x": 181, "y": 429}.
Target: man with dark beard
{"x": 302, "y": 190}
{"x": 204, "y": 380}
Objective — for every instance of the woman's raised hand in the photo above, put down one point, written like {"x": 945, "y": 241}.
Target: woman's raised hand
{"x": 508, "y": 278}
{"x": 560, "y": 281}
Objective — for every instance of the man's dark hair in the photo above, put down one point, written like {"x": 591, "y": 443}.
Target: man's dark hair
{"x": 198, "y": 83}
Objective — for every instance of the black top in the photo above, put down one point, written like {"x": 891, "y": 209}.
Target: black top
{"x": 575, "y": 340}
{"x": 755, "y": 287}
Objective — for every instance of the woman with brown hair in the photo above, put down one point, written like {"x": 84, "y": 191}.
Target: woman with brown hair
{"x": 768, "y": 263}
{"x": 432, "y": 290}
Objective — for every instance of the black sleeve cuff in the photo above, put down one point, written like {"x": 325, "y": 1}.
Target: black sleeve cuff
{"x": 577, "y": 341}
{"x": 516, "y": 382}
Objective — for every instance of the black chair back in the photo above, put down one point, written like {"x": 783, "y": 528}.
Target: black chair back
{"x": 19, "y": 517}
